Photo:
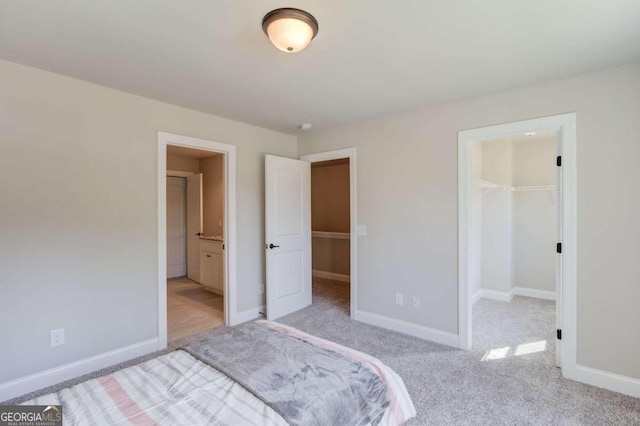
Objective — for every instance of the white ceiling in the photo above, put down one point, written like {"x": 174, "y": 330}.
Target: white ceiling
{"x": 370, "y": 58}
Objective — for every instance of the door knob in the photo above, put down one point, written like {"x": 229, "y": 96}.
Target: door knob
{"x": 200, "y": 234}
{"x": 272, "y": 246}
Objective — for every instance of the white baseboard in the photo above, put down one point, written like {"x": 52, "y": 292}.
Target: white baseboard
{"x": 411, "y": 329}
{"x": 503, "y": 296}
{"x": 52, "y": 376}
{"x": 606, "y": 380}
{"x": 248, "y": 315}
{"x": 331, "y": 276}
{"x": 532, "y": 292}
{"x": 175, "y": 271}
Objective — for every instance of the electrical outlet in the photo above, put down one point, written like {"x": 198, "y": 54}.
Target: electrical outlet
{"x": 361, "y": 230}
{"x": 57, "y": 337}
{"x": 399, "y": 299}
{"x": 416, "y": 302}
{"x": 261, "y": 288}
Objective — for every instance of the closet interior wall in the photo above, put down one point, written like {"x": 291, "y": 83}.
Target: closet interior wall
{"x": 534, "y": 213}
{"x": 330, "y": 219}
{"x": 514, "y": 219}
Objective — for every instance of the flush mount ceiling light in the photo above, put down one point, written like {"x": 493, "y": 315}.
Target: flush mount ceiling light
{"x": 289, "y": 29}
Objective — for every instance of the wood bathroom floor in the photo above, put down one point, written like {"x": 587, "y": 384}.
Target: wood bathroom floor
{"x": 191, "y": 309}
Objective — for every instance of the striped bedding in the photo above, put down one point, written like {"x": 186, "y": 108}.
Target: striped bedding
{"x": 178, "y": 389}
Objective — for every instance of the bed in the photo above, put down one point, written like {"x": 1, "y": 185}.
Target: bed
{"x": 260, "y": 373}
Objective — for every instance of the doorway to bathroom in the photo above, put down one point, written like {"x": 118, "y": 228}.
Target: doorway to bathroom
{"x": 196, "y": 230}
{"x": 195, "y": 241}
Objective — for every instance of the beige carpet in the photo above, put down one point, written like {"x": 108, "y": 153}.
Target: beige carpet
{"x": 515, "y": 386}
{"x": 508, "y": 379}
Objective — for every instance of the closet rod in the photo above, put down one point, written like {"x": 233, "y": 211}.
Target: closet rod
{"x": 331, "y": 235}
{"x": 534, "y": 188}
{"x": 550, "y": 190}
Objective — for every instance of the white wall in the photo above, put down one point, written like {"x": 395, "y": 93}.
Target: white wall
{"x": 411, "y": 208}
{"x": 78, "y": 246}
{"x": 534, "y": 160}
{"x": 496, "y": 216}
{"x": 534, "y": 215}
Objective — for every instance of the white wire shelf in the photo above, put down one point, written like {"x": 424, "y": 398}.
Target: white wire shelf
{"x": 550, "y": 190}
{"x": 331, "y": 235}
{"x": 488, "y": 186}
{"x": 534, "y": 188}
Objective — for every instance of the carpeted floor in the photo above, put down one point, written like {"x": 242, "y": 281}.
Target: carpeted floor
{"x": 516, "y": 384}
{"x": 509, "y": 378}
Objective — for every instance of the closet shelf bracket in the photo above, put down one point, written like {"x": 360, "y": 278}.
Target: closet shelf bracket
{"x": 487, "y": 186}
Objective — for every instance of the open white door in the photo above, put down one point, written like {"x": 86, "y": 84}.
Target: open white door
{"x": 558, "y": 197}
{"x": 194, "y": 225}
{"x": 288, "y": 235}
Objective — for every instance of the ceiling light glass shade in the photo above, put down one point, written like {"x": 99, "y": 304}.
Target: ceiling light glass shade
{"x": 290, "y": 30}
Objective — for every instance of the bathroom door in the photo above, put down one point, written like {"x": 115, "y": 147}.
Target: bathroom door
{"x": 194, "y": 225}
{"x": 176, "y": 227}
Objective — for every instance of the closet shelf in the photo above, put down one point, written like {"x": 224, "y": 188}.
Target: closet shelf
{"x": 534, "y": 188}
{"x": 486, "y": 185}
{"x": 331, "y": 235}
{"x": 551, "y": 190}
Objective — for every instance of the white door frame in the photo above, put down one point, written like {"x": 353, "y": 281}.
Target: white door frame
{"x": 229, "y": 225}
{"x": 340, "y": 154}
{"x": 565, "y": 125}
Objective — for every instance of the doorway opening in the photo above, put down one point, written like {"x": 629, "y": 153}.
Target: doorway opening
{"x": 195, "y": 241}
{"x": 331, "y": 234}
{"x": 517, "y": 241}
{"x": 512, "y": 258}
{"x": 334, "y": 228}
{"x": 196, "y": 236}
{"x": 289, "y": 236}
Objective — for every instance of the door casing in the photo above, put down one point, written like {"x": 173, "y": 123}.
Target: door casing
{"x": 565, "y": 125}
{"x": 231, "y": 316}
{"x": 340, "y": 154}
